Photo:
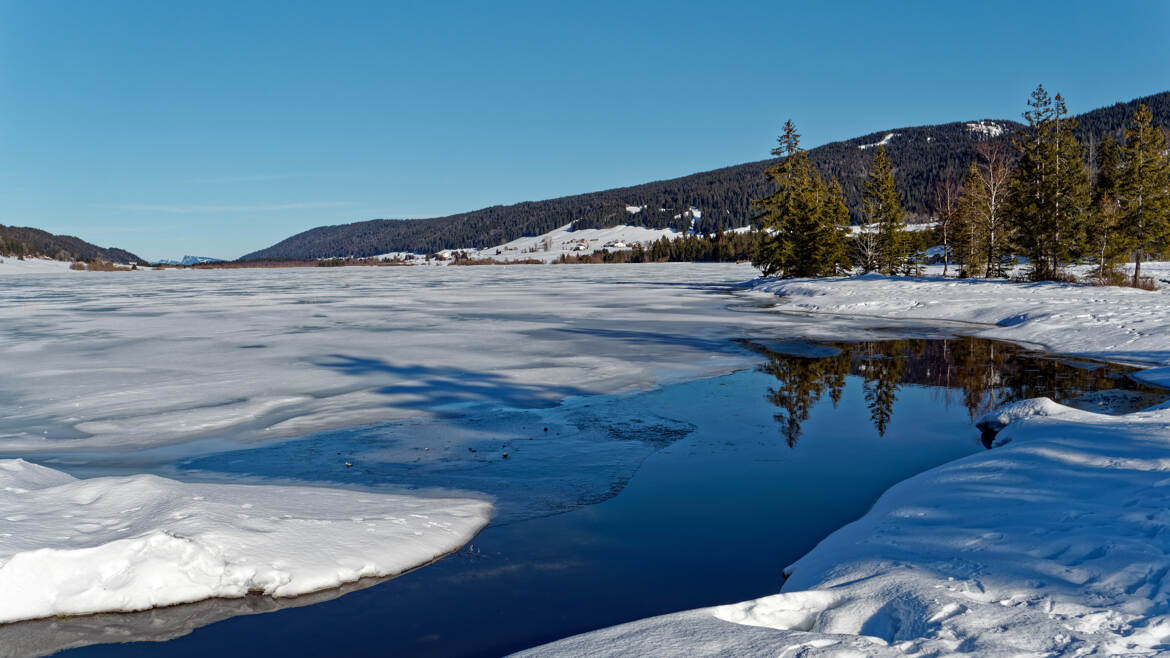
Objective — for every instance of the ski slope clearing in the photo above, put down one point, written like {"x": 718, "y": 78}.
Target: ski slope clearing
{"x": 1057, "y": 542}
{"x": 72, "y": 546}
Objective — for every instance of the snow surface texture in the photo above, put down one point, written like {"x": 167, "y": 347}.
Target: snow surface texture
{"x": 1055, "y": 543}
{"x": 72, "y": 546}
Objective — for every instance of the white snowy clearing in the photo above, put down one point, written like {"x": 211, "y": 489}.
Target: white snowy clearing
{"x": 1057, "y": 542}
{"x": 72, "y": 546}
{"x": 550, "y": 246}
{"x": 988, "y": 128}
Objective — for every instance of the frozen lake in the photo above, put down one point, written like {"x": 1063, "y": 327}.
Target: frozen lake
{"x": 653, "y": 438}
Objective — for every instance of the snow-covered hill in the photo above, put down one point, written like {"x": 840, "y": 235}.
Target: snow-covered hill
{"x": 550, "y": 246}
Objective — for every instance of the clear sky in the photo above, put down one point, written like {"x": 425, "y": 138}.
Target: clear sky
{"x": 217, "y": 128}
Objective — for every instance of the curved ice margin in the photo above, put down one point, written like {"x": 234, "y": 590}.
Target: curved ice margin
{"x": 1057, "y": 543}
{"x": 70, "y": 546}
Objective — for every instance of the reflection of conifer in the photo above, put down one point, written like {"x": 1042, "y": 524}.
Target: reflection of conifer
{"x": 985, "y": 373}
{"x": 802, "y": 382}
{"x": 883, "y": 373}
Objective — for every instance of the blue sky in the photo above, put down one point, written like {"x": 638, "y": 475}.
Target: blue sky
{"x": 218, "y": 128}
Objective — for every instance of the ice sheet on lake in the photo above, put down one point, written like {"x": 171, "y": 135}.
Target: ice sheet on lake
{"x": 70, "y": 546}
{"x": 124, "y": 361}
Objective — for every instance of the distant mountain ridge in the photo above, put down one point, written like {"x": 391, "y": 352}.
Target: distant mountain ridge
{"x": 32, "y": 242}
{"x": 921, "y": 154}
{"x": 189, "y": 260}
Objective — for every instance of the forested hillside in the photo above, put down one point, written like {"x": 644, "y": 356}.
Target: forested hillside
{"x": 31, "y": 242}
{"x": 921, "y": 156}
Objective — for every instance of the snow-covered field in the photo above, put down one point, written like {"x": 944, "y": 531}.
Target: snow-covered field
{"x": 1055, "y": 543}
{"x": 73, "y": 546}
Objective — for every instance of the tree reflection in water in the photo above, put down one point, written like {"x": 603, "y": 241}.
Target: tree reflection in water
{"x": 978, "y": 373}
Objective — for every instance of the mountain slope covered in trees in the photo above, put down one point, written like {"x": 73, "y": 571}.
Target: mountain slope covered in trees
{"x": 32, "y": 242}
{"x": 723, "y": 197}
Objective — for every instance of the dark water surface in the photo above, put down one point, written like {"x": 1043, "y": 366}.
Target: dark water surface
{"x": 739, "y": 476}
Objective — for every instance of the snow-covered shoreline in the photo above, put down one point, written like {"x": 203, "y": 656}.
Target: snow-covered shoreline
{"x": 1056, "y": 543}
{"x": 72, "y": 547}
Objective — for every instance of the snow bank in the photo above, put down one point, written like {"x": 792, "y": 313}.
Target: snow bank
{"x": 72, "y": 546}
{"x": 1004, "y": 416}
{"x": 1122, "y": 324}
{"x": 1058, "y": 543}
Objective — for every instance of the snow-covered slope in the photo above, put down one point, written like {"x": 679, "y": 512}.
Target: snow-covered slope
{"x": 550, "y": 246}
{"x": 71, "y": 546}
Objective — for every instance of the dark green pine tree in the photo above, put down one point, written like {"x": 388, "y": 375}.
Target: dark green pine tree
{"x": 882, "y": 207}
{"x": 802, "y": 222}
{"x": 773, "y": 222}
{"x": 1109, "y": 247}
{"x": 1145, "y": 190}
{"x": 1048, "y": 196}
{"x": 834, "y": 232}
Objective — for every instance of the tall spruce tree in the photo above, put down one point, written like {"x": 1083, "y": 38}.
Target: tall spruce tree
{"x": 882, "y": 206}
{"x": 801, "y": 232}
{"x": 1145, "y": 190}
{"x": 834, "y": 237}
{"x": 777, "y": 209}
{"x": 1108, "y": 245}
{"x": 1049, "y": 191}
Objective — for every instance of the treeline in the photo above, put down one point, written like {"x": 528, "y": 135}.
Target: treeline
{"x": 920, "y": 155}
{"x": 25, "y": 242}
{"x": 1046, "y": 199}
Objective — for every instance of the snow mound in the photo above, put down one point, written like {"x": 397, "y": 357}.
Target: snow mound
{"x": 70, "y": 546}
{"x": 1006, "y": 415}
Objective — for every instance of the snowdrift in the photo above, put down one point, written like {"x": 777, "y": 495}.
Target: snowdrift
{"x": 70, "y": 546}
